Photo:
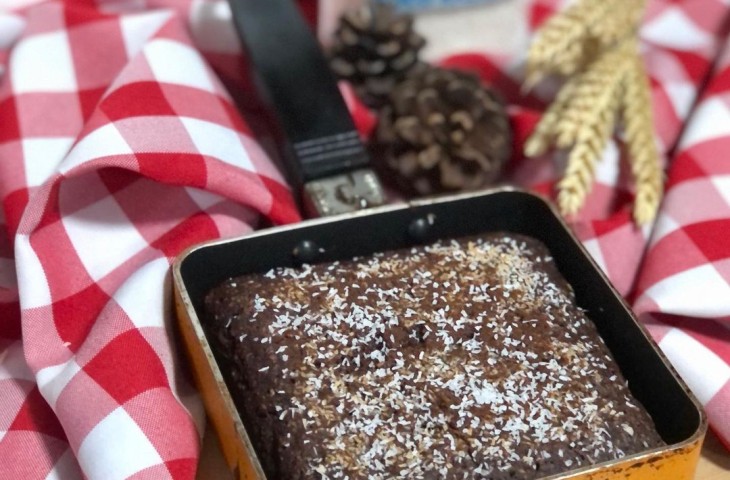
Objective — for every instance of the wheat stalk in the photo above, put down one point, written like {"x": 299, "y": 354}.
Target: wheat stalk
{"x": 591, "y": 120}
{"x": 644, "y": 158}
{"x": 577, "y": 180}
{"x": 597, "y": 89}
{"x": 583, "y": 116}
{"x": 558, "y": 42}
{"x": 539, "y": 141}
{"x": 564, "y": 44}
{"x": 622, "y": 23}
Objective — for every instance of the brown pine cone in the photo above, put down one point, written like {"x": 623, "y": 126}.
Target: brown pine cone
{"x": 374, "y": 48}
{"x": 443, "y": 131}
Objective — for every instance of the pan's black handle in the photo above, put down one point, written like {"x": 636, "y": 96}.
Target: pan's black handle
{"x": 300, "y": 90}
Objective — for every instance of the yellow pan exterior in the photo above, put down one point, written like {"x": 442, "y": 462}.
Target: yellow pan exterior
{"x": 234, "y": 442}
{"x": 672, "y": 463}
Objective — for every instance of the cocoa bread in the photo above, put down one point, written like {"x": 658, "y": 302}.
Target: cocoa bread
{"x": 464, "y": 359}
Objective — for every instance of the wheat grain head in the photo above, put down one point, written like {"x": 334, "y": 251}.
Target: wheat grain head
{"x": 597, "y": 93}
{"x": 564, "y": 44}
{"x": 590, "y": 126}
{"x": 542, "y": 136}
{"x": 621, "y": 23}
{"x": 637, "y": 119}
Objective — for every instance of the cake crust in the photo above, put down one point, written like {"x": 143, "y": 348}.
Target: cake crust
{"x": 463, "y": 359}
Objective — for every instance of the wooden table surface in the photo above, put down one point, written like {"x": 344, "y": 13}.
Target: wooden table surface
{"x": 714, "y": 463}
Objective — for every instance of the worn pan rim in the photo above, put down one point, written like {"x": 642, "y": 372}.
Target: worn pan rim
{"x": 194, "y": 321}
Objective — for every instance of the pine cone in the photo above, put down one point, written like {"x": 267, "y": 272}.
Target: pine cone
{"x": 442, "y": 131}
{"x": 374, "y": 48}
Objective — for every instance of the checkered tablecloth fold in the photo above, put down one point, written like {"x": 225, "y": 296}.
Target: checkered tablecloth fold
{"x": 683, "y": 291}
{"x": 120, "y": 148}
{"x": 121, "y": 144}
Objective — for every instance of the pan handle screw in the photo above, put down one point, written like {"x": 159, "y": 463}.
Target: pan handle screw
{"x": 419, "y": 228}
{"x": 306, "y": 251}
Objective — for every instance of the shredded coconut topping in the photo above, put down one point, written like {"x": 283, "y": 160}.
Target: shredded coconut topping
{"x": 462, "y": 356}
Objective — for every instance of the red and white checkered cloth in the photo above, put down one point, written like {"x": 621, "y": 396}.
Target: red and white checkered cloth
{"x": 683, "y": 292}
{"x": 119, "y": 147}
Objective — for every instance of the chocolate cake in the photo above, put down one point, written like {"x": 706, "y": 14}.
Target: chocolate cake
{"x": 464, "y": 359}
